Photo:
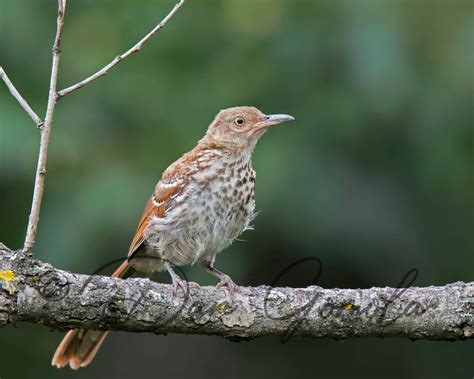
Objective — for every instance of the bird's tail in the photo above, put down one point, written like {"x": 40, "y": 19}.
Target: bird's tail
{"x": 79, "y": 346}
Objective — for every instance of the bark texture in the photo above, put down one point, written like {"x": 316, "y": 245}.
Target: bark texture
{"x": 33, "y": 291}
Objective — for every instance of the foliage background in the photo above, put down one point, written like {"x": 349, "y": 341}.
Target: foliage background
{"x": 374, "y": 178}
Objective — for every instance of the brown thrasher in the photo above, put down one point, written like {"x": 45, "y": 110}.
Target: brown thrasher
{"x": 202, "y": 203}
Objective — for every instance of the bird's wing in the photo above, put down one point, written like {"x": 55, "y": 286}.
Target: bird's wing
{"x": 159, "y": 203}
{"x": 173, "y": 182}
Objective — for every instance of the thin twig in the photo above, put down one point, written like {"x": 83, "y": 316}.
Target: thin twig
{"x": 45, "y": 133}
{"x": 20, "y": 99}
{"x": 123, "y": 56}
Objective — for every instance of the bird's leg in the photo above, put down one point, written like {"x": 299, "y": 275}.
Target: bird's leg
{"x": 177, "y": 281}
{"x": 225, "y": 280}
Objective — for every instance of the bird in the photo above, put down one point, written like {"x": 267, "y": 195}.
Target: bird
{"x": 201, "y": 204}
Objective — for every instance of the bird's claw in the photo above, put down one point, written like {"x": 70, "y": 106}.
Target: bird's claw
{"x": 179, "y": 283}
{"x": 226, "y": 281}
{"x": 194, "y": 285}
{"x": 182, "y": 284}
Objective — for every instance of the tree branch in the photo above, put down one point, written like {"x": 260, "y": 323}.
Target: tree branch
{"x": 104, "y": 71}
{"x": 45, "y": 133}
{"x": 52, "y": 100}
{"x": 24, "y": 104}
{"x": 36, "y": 292}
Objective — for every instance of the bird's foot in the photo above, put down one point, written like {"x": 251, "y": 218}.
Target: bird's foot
{"x": 226, "y": 281}
{"x": 194, "y": 285}
{"x": 179, "y": 283}
{"x": 185, "y": 286}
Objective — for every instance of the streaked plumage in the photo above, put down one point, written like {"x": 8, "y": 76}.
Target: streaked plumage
{"x": 201, "y": 204}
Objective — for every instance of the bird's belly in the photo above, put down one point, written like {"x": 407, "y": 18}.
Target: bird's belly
{"x": 203, "y": 223}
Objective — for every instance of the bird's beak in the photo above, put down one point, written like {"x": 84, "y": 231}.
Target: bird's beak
{"x": 273, "y": 119}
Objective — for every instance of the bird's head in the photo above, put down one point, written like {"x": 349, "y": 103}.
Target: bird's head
{"x": 240, "y": 128}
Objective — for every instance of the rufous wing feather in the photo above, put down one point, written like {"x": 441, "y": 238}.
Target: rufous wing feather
{"x": 157, "y": 206}
{"x": 138, "y": 238}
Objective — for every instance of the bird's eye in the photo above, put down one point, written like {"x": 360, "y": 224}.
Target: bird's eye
{"x": 239, "y": 121}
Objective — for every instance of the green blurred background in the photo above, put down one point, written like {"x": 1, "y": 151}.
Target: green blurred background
{"x": 374, "y": 178}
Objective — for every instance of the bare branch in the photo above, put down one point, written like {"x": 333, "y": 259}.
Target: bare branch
{"x": 20, "y": 99}
{"x": 36, "y": 292}
{"x": 123, "y": 56}
{"x": 45, "y": 133}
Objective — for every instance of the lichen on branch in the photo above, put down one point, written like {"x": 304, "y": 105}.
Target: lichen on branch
{"x": 33, "y": 291}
